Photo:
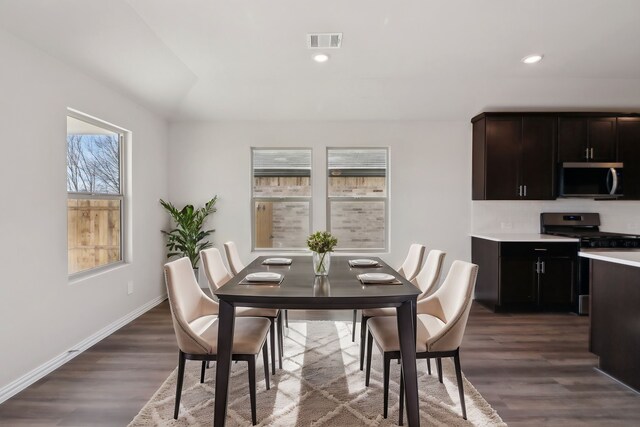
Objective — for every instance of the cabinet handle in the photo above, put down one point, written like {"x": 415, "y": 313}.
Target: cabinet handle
{"x": 542, "y": 267}
{"x": 519, "y": 190}
{"x": 525, "y": 191}
{"x": 586, "y": 150}
{"x": 537, "y": 267}
{"x": 591, "y": 153}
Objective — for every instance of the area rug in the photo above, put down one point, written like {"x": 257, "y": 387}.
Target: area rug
{"x": 320, "y": 385}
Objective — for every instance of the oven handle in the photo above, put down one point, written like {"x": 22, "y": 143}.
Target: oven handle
{"x": 612, "y": 187}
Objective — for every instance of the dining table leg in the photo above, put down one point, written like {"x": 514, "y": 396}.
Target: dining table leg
{"x": 226, "y": 323}
{"x": 406, "y": 333}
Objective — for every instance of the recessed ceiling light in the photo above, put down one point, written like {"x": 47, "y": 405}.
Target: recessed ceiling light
{"x": 321, "y": 57}
{"x": 532, "y": 59}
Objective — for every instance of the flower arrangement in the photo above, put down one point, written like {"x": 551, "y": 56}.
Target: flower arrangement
{"x": 321, "y": 242}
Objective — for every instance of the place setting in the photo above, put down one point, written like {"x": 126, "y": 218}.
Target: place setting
{"x": 364, "y": 263}
{"x": 262, "y": 278}
{"x": 378, "y": 279}
{"x": 277, "y": 261}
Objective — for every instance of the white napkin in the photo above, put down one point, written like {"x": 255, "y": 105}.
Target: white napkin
{"x": 264, "y": 276}
{"x": 376, "y": 278}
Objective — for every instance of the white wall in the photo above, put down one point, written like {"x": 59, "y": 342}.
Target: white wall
{"x": 430, "y": 175}
{"x": 41, "y": 313}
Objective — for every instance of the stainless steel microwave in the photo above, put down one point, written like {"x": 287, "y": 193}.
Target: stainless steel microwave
{"x": 591, "y": 179}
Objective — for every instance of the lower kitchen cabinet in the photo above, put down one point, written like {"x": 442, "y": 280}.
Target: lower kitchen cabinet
{"x": 525, "y": 275}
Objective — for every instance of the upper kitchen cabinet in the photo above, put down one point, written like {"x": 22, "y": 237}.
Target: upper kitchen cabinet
{"x": 587, "y": 139}
{"x": 514, "y": 156}
{"x": 629, "y": 154}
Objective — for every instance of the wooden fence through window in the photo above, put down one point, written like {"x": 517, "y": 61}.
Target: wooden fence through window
{"x": 93, "y": 233}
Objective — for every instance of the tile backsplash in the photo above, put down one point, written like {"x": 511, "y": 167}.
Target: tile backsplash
{"x": 517, "y": 216}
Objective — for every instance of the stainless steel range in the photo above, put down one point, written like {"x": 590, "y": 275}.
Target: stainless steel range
{"x": 586, "y": 228}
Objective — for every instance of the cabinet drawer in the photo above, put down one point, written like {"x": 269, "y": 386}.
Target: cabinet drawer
{"x": 528, "y": 249}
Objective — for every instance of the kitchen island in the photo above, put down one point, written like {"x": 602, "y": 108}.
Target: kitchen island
{"x": 615, "y": 313}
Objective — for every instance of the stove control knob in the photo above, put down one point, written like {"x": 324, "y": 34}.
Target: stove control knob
{"x": 613, "y": 244}
{"x": 593, "y": 244}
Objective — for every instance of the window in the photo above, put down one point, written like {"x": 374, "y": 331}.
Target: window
{"x": 357, "y": 197}
{"x": 281, "y": 200}
{"x": 94, "y": 194}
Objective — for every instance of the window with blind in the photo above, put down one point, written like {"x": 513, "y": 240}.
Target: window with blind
{"x": 357, "y": 197}
{"x": 281, "y": 198}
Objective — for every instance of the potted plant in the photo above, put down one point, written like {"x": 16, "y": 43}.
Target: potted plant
{"x": 322, "y": 244}
{"x": 188, "y": 237}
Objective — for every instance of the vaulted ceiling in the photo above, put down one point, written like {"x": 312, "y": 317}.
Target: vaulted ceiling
{"x": 409, "y": 60}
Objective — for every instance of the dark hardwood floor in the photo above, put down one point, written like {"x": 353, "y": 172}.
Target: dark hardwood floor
{"x": 534, "y": 369}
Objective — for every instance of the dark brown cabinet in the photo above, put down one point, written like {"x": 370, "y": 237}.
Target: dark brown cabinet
{"x": 525, "y": 275}
{"x": 615, "y": 318}
{"x": 629, "y": 154}
{"x": 513, "y": 157}
{"x": 587, "y": 139}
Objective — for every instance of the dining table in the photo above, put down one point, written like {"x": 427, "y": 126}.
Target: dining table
{"x": 301, "y": 288}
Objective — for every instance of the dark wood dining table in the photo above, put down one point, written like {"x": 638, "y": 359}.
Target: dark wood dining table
{"x": 301, "y": 289}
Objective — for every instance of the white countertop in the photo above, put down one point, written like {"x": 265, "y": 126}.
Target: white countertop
{"x": 628, "y": 257}
{"x": 523, "y": 237}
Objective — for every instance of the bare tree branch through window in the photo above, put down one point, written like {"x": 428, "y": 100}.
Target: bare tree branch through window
{"x": 93, "y": 164}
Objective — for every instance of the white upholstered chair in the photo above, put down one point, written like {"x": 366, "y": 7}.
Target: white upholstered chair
{"x": 233, "y": 257}
{"x": 409, "y": 269}
{"x": 236, "y": 265}
{"x": 442, "y": 319}
{"x": 412, "y": 263}
{"x": 426, "y": 281}
{"x": 217, "y": 275}
{"x": 195, "y": 322}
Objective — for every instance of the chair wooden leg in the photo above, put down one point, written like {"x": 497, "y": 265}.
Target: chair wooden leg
{"x": 280, "y": 340}
{"x": 181, "y": 363}
{"x": 204, "y": 366}
{"x": 353, "y": 330}
{"x": 369, "y": 349}
{"x": 272, "y": 337}
{"x": 385, "y": 380}
{"x": 286, "y": 318}
{"x": 439, "y": 365}
{"x": 456, "y": 360}
{"x": 252, "y": 388}
{"x": 363, "y": 339}
{"x": 265, "y": 358}
{"x": 429, "y": 365}
{"x": 401, "y": 408}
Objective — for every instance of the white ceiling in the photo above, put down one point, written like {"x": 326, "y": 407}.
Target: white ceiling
{"x": 400, "y": 60}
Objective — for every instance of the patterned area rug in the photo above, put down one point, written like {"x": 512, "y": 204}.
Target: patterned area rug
{"x": 321, "y": 385}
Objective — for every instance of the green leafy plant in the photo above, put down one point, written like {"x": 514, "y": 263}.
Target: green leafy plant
{"x": 321, "y": 242}
{"x": 188, "y": 237}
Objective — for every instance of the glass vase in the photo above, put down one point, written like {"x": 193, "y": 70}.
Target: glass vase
{"x": 321, "y": 263}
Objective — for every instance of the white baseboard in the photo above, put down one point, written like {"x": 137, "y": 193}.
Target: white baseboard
{"x": 46, "y": 368}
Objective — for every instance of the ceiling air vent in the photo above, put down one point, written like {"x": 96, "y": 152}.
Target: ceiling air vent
{"x": 324, "y": 40}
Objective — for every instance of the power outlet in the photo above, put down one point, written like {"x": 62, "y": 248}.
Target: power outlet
{"x": 130, "y": 287}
